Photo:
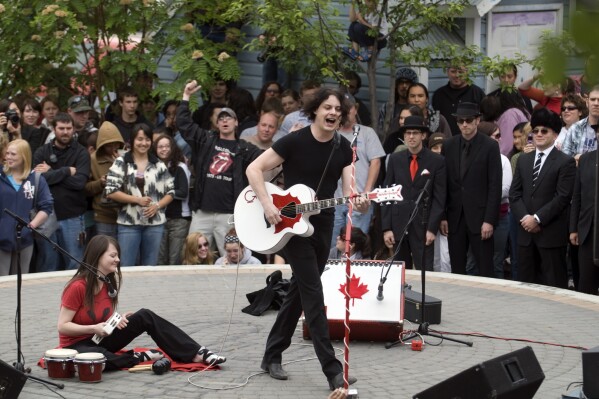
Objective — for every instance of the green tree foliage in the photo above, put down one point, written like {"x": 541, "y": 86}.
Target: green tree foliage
{"x": 580, "y": 42}
{"x": 101, "y": 45}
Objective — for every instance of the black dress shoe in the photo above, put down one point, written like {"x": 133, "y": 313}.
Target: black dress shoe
{"x": 276, "y": 371}
{"x": 337, "y": 381}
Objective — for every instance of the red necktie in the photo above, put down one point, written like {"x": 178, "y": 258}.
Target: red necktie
{"x": 413, "y": 166}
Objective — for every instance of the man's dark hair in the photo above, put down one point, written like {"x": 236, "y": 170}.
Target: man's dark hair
{"x": 272, "y": 104}
{"x": 321, "y": 96}
{"x": 127, "y": 92}
{"x": 62, "y": 117}
{"x": 308, "y": 85}
{"x": 352, "y": 75}
{"x": 168, "y": 104}
{"x": 418, "y": 85}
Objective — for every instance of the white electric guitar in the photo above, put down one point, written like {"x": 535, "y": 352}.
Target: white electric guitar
{"x": 296, "y": 205}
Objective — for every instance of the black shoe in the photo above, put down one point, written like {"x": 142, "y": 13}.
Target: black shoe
{"x": 276, "y": 371}
{"x": 337, "y": 381}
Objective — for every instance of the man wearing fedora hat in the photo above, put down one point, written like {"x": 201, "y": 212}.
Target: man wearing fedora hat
{"x": 540, "y": 198}
{"x": 409, "y": 168}
{"x": 473, "y": 192}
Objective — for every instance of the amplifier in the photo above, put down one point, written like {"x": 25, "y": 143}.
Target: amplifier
{"x": 413, "y": 308}
{"x": 11, "y": 381}
{"x": 370, "y": 319}
{"x": 590, "y": 371}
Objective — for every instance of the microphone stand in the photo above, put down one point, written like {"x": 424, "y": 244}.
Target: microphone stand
{"x": 423, "y": 199}
{"x": 19, "y": 365}
{"x": 353, "y": 393}
{"x": 388, "y": 265}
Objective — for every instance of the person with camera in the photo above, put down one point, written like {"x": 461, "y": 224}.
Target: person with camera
{"x": 10, "y": 119}
{"x": 65, "y": 164}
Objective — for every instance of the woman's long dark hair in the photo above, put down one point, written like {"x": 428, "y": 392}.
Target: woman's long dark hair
{"x": 512, "y": 99}
{"x": 96, "y": 247}
{"x": 242, "y": 102}
{"x": 176, "y": 155}
{"x": 262, "y": 95}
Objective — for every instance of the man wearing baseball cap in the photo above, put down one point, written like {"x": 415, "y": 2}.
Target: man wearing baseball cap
{"x": 412, "y": 169}
{"x": 219, "y": 161}
{"x": 473, "y": 192}
{"x": 79, "y": 109}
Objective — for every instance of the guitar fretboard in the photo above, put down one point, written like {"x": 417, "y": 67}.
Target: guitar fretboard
{"x": 323, "y": 204}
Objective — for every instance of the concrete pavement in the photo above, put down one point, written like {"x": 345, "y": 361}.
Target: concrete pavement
{"x": 206, "y": 302}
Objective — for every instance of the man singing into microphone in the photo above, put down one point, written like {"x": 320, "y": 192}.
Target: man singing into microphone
{"x": 412, "y": 169}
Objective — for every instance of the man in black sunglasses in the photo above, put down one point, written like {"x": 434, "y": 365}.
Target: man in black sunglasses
{"x": 473, "y": 192}
{"x": 540, "y": 198}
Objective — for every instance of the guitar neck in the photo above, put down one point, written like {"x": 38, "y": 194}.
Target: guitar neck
{"x": 324, "y": 204}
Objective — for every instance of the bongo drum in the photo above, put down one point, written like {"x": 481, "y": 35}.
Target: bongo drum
{"x": 59, "y": 363}
{"x": 89, "y": 366}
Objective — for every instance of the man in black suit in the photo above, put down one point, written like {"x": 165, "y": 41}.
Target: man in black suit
{"x": 473, "y": 192}
{"x": 540, "y": 197}
{"x": 582, "y": 217}
{"x": 409, "y": 168}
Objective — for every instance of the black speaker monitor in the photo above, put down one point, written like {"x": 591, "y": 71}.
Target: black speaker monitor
{"x": 590, "y": 371}
{"x": 516, "y": 375}
{"x": 11, "y": 381}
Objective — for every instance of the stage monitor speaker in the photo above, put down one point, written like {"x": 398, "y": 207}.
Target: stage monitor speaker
{"x": 11, "y": 381}
{"x": 516, "y": 375}
{"x": 590, "y": 371}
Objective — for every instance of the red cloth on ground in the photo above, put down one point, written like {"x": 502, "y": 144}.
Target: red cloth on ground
{"x": 189, "y": 367}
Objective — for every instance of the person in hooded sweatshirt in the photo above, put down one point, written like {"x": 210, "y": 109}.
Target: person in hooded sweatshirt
{"x": 235, "y": 252}
{"x": 105, "y": 210}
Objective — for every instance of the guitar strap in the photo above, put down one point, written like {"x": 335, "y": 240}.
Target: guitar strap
{"x": 336, "y": 143}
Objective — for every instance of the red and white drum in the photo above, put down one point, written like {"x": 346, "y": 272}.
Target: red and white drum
{"x": 89, "y": 366}
{"x": 59, "y": 363}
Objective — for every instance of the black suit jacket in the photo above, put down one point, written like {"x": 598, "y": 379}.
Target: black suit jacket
{"x": 583, "y": 199}
{"x": 478, "y": 194}
{"x": 394, "y": 217}
{"x": 549, "y": 199}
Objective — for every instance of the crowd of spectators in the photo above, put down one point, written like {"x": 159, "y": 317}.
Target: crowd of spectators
{"x": 163, "y": 181}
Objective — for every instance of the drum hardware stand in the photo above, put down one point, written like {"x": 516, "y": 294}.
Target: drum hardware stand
{"x": 19, "y": 365}
{"x": 423, "y": 327}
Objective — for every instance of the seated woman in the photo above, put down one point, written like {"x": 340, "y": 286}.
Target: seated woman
{"x": 359, "y": 246}
{"x": 236, "y": 253}
{"x": 197, "y": 250}
{"x": 86, "y": 306}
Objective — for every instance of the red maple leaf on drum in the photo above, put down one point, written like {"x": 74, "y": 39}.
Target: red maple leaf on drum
{"x": 356, "y": 288}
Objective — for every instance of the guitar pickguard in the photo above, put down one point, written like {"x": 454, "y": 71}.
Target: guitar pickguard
{"x": 286, "y": 204}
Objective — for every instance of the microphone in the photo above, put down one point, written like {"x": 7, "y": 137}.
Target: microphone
{"x": 356, "y": 131}
{"x": 424, "y": 195}
{"x": 380, "y": 296}
{"x": 427, "y": 174}
{"x": 105, "y": 280}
